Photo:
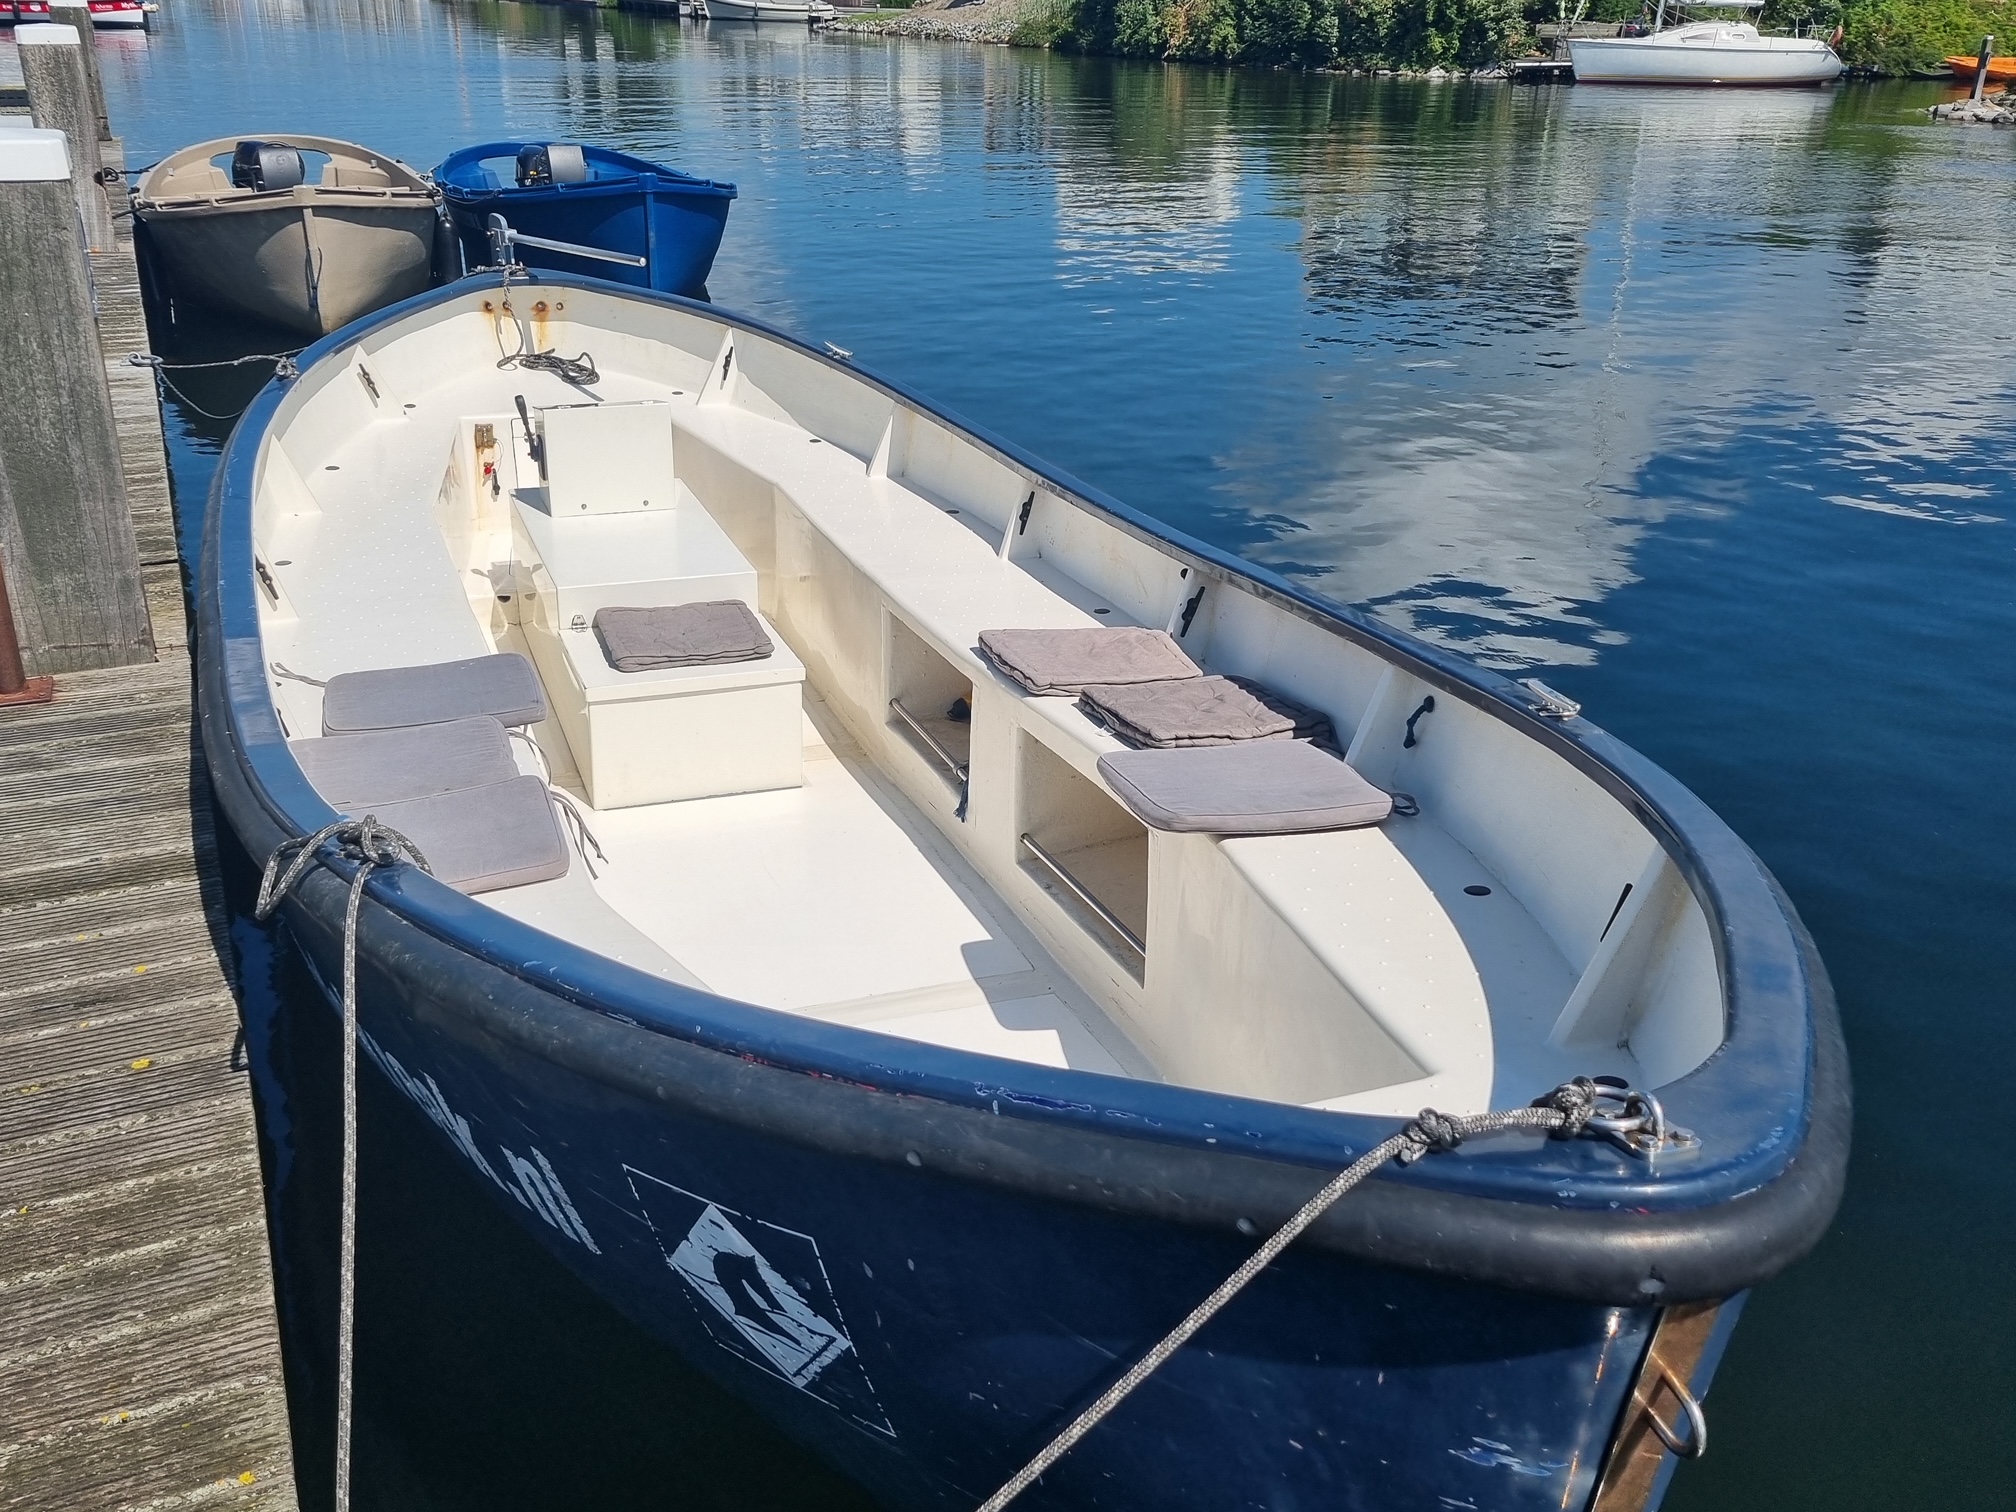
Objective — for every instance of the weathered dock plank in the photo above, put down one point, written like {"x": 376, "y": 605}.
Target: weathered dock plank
{"x": 138, "y": 1344}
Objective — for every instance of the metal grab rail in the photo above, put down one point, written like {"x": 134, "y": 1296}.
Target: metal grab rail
{"x": 1078, "y": 890}
{"x": 952, "y": 763}
{"x": 503, "y": 239}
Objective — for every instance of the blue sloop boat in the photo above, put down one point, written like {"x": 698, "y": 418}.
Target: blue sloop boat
{"x": 665, "y": 226}
{"x": 850, "y": 1005}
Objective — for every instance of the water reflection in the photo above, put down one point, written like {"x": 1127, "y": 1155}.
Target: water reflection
{"x": 1507, "y": 305}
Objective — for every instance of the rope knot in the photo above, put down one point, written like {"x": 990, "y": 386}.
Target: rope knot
{"x": 1431, "y": 1133}
{"x": 365, "y": 841}
{"x": 1575, "y": 1101}
{"x": 368, "y": 840}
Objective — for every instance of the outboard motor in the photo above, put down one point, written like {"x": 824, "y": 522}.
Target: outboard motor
{"x": 551, "y": 163}
{"x": 266, "y": 165}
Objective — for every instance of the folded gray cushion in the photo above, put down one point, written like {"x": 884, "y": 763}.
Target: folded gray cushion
{"x": 503, "y": 834}
{"x": 503, "y": 686}
{"x": 1257, "y": 787}
{"x": 1070, "y": 661}
{"x": 389, "y": 766}
{"x": 684, "y": 635}
{"x": 1202, "y": 711}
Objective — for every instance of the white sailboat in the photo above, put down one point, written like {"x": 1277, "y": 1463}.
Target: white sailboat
{"x": 801, "y": 11}
{"x": 1704, "y": 52}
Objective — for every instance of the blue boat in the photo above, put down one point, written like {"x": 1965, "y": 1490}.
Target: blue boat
{"x": 856, "y": 1010}
{"x": 664, "y": 224}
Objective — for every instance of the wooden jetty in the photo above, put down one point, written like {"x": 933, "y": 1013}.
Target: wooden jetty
{"x": 138, "y": 1345}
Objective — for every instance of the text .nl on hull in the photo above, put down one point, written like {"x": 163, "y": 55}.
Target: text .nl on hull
{"x": 879, "y": 1032}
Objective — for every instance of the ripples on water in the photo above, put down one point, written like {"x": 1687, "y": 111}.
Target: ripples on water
{"x": 1697, "y": 401}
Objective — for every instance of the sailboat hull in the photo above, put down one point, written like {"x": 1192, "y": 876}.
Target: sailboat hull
{"x": 1653, "y": 60}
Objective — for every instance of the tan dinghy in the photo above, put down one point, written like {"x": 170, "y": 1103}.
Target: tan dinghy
{"x": 304, "y": 231}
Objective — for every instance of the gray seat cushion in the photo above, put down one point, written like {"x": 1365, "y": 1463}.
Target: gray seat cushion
{"x": 1070, "y": 661}
{"x": 1202, "y": 711}
{"x": 503, "y": 834}
{"x": 1257, "y": 787}
{"x": 681, "y": 635}
{"x": 389, "y": 766}
{"x": 503, "y": 686}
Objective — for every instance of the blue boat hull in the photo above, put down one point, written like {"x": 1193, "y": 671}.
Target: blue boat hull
{"x": 921, "y": 1272}
{"x": 677, "y": 231}
{"x": 958, "y": 1325}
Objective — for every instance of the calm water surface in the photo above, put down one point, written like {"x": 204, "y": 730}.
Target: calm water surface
{"x": 1697, "y": 404}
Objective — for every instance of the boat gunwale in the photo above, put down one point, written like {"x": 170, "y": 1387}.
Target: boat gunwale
{"x": 664, "y": 178}
{"x": 286, "y": 199}
{"x": 204, "y": 152}
{"x": 1786, "y": 1147}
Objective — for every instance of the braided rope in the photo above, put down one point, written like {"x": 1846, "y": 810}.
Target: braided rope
{"x": 1564, "y": 1113}
{"x": 371, "y": 846}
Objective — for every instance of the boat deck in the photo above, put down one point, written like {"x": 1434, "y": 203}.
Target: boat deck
{"x": 840, "y": 899}
{"x": 833, "y": 900}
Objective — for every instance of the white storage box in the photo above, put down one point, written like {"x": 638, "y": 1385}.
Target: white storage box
{"x": 565, "y": 569}
{"x": 670, "y": 734}
{"x": 681, "y": 732}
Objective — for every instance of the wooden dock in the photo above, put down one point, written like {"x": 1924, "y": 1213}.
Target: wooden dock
{"x": 139, "y": 1353}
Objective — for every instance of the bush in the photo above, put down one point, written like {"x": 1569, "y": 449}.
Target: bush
{"x": 1910, "y": 36}
{"x": 1889, "y": 36}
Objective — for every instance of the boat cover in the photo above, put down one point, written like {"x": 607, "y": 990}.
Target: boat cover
{"x": 1070, "y": 661}
{"x": 390, "y": 766}
{"x": 503, "y": 834}
{"x": 681, "y": 635}
{"x": 503, "y": 686}
{"x": 1258, "y": 787}
{"x": 1194, "y": 711}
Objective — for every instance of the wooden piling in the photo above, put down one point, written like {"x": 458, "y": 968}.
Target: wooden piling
{"x": 77, "y": 13}
{"x": 59, "y": 98}
{"x": 65, "y": 527}
{"x": 139, "y": 1353}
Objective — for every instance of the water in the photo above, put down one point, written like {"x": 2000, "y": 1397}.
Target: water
{"x": 1696, "y": 404}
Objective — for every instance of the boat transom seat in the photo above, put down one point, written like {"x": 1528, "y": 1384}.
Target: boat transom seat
{"x": 337, "y": 174}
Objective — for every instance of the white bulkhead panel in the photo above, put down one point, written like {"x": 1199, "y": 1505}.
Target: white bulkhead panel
{"x": 607, "y": 458}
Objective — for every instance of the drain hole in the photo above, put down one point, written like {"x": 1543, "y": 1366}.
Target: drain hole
{"x": 1478, "y": 890}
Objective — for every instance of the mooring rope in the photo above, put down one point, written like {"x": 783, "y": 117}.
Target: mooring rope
{"x": 578, "y": 371}
{"x": 281, "y": 362}
{"x": 1566, "y": 1112}
{"x": 370, "y": 845}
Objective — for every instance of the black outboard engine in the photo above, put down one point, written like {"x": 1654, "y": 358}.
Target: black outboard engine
{"x": 551, "y": 163}
{"x": 266, "y": 165}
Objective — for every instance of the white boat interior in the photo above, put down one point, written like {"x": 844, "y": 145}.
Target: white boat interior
{"x": 789, "y": 832}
